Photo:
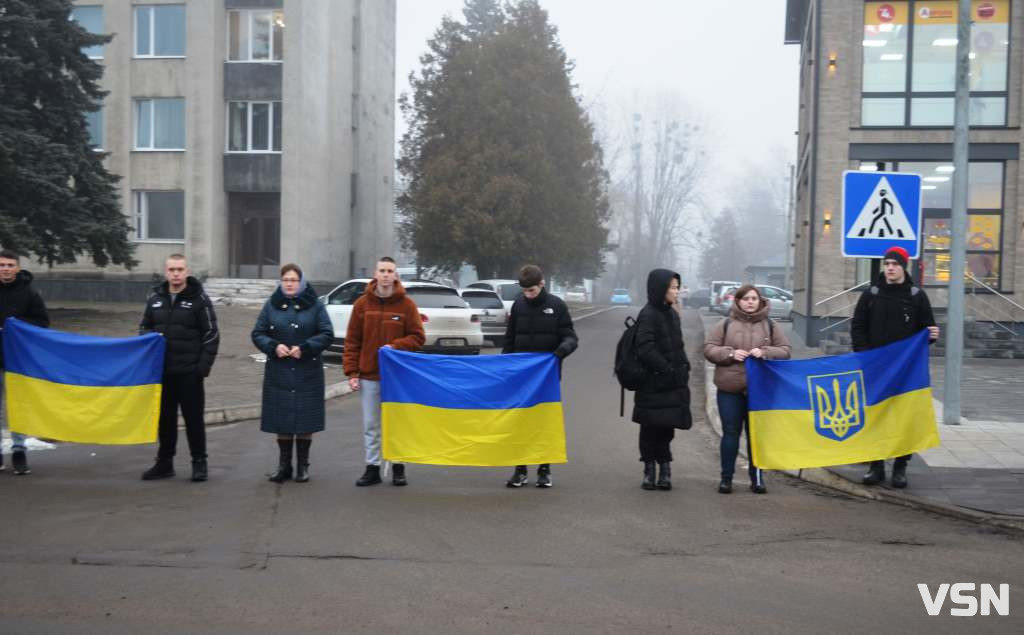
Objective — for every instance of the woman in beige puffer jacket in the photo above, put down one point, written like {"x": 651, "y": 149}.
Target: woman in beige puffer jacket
{"x": 747, "y": 332}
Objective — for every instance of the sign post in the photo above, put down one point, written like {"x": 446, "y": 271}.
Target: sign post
{"x": 881, "y": 210}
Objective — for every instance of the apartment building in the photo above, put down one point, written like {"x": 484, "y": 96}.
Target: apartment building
{"x": 247, "y": 133}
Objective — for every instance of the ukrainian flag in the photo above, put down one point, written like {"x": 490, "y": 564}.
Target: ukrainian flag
{"x": 81, "y": 388}
{"x": 471, "y": 410}
{"x": 844, "y": 409}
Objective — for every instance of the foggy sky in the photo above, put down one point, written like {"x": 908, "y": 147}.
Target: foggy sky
{"x": 726, "y": 60}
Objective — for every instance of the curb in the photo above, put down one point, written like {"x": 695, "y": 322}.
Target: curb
{"x": 231, "y": 414}
{"x": 825, "y": 477}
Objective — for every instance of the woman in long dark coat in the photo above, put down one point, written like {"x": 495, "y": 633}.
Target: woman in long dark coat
{"x": 293, "y": 330}
{"x": 662, "y": 403}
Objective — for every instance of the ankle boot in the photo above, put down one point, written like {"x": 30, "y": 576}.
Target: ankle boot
{"x": 284, "y": 462}
{"x": 875, "y": 474}
{"x": 899, "y": 473}
{"x": 664, "y": 475}
{"x": 200, "y": 470}
{"x": 370, "y": 477}
{"x": 163, "y": 468}
{"x": 649, "y": 476}
{"x": 398, "y": 475}
{"x": 302, "y": 460}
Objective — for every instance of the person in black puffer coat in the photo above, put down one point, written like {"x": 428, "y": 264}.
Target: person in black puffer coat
{"x": 18, "y": 299}
{"x": 538, "y": 323}
{"x": 662, "y": 403}
{"x": 890, "y": 310}
{"x": 293, "y": 329}
{"x": 181, "y": 312}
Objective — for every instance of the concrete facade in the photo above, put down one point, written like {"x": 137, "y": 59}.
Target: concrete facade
{"x": 334, "y": 172}
{"x": 832, "y": 140}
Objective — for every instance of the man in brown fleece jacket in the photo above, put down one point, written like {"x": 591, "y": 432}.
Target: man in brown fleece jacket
{"x": 384, "y": 317}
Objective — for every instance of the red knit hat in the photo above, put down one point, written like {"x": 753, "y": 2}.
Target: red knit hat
{"x": 897, "y": 253}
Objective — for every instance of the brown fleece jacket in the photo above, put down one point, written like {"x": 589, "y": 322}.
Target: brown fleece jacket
{"x": 376, "y": 322}
{"x": 746, "y": 331}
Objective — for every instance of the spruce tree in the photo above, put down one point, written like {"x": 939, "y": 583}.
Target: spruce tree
{"x": 500, "y": 162}
{"x": 57, "y": 200}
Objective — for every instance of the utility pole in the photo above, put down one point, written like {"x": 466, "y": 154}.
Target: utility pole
{"x": 638, "y": 251}
{"x": 789, "y": 225}
{"x": 961, "y": 124}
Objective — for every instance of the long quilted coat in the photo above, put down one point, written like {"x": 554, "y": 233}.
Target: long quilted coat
{"x": 293, "y": 389}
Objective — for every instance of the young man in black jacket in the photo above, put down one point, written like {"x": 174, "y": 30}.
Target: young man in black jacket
{"x": 18, "y": 299}
{"x": 181, "y": 312}
{"x": 890, "y": 310}
{"x": 538, "y": 323}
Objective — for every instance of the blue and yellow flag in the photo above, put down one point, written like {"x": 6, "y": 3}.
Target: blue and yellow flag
{"x": 82, "y": 388}
{"x": 844, "y": 409}
{"x": 471, "y": 410}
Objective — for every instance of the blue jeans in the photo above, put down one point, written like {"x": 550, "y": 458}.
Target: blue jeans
{"x": 732, "y": 409}
{"x": 17, "y": 438}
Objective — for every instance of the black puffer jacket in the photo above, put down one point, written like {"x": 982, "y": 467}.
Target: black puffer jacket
{"x": 540, "y": 325}
{"x": 664, "y": 398}
{"x": 887, "y": 312}
{"x": 189, "y": 325}
{"x": 19, "y": 299}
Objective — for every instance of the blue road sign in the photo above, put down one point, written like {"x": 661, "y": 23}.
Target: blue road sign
{"x": 881, "y": 210}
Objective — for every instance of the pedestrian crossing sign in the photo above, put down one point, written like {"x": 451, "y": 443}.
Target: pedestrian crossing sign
{"x": 881, "y": 210}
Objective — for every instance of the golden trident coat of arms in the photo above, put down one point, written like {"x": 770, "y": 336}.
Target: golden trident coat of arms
{"x": 838, "y": 402}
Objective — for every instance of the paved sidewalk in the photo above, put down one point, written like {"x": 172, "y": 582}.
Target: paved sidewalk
{"x": 980, "y": 464}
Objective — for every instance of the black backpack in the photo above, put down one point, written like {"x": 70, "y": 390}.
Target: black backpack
{"x": 629, "y": 370}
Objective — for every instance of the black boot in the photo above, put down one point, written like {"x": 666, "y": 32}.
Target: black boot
{"x": 163, "y": 468}
{"x": 664, "y": 475}
{"x": 725, "y": 486}
{"x": 398, "y": 475}
{"x": 302, "y": 460}
{"x": 370, "y": 477}
{"x": 20, "y": 461}
{"x": 899, "y": 473}
{"x": 875, "y": 473}
{"x": 199, "y": 470}
{"x": 649, "y": 476}
{"x": 284, "y": 462}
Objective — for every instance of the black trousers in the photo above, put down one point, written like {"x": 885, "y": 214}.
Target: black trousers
{"x": 654, "y": 443}
{"x": 186, "y": 391}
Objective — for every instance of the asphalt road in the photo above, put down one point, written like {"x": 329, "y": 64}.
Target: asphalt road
{"x": 86, "y": 547}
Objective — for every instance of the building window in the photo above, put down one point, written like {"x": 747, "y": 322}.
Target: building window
{"x": 160, "y": 124}
{"x": 909, "y": 63}
{"x": 94, "y": 124}
{"x": 90, "y": 18}
{"x": 984, "y": 219}
{"x": 160, "y": 30}
{"x": 255, "y": 35}
{"x": 160, "y": 216}
{"x": 254, "y": 126}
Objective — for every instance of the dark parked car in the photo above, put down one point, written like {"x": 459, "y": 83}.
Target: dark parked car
{"x": 698, "y": 299}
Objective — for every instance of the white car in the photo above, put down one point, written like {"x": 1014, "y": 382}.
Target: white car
{"x": 576, "y": 294}
{"x": 450, "y": 325}
{"x": 509, "y": 290}
{"x": 493, "y": 315}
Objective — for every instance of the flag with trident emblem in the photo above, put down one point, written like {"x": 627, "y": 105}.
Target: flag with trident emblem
{"x": 849, "y": 408}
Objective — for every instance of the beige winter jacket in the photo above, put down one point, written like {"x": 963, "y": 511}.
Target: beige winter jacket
{"x": 746, "y": 332}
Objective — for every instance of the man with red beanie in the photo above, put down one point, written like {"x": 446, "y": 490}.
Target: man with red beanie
{"x": 890, "y": 310}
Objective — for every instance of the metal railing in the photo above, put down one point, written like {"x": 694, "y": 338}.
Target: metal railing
{"x": 985, "y": 301}
{"x": 839, "y": 309}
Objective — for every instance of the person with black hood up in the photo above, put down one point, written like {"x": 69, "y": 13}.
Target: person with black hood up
{"x": 293, "y": 329}
{"x": 892, "y": 309}
{"x": 538, "y": 323}
{"x": 662, "y": 403}
{"x": 18, "y": 299}
{"x": 179, "y": 310}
